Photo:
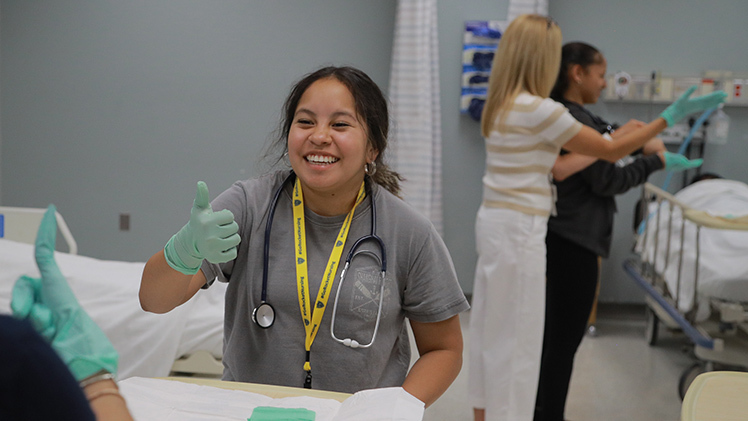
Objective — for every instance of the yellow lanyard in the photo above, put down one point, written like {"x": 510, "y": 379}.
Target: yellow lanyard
{"x": 311, "y": 324}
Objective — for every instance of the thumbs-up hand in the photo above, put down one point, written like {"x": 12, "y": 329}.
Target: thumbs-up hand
{"x": 51, "y": 306}
{"x": 208, "y": 235}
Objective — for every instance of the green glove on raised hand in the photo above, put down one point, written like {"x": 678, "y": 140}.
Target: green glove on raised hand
{"x": 55, "y": 313}
{"x": 678, "y": 162}
{"x": 684, "y": 105}
{"x": 208, "y": 235}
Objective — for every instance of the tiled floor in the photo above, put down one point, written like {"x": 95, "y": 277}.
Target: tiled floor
{"x": 617, "y": 376}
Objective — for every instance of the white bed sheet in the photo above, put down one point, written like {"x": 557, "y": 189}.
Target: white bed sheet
{"x": 147, "y": 343}
{"x": 167, "y": 400}
{"x": 723, "y": 261}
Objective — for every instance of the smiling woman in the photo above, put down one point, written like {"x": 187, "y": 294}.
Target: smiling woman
{"x": 339, "y": 199}
{"x": 368, "y": 110}
{"x": 327, "y": 147}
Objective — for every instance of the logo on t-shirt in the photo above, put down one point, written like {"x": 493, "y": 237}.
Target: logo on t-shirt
{"x": 365, "y": 295}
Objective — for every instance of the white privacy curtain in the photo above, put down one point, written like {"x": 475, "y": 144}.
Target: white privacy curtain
{"x": 416, "y": 113}
{"x": 520, "y": 7}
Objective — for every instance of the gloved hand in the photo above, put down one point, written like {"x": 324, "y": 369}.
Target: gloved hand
{"x": 208, "y": 235}
{"x": 684, "y": 105}
{"x": 678, "y": 162}
{"x": 55, "y": 313}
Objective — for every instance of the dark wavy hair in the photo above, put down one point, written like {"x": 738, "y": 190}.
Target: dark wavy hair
{"x": 574, "y": 53}
{"x": 371, "y": 107}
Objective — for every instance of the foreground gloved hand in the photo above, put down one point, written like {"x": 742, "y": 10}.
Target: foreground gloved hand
{"x": 684, "y": 105}
{"x": 208, "y": 235}
{"x": 678, "y": 162}
{"x": 55, "y": 313}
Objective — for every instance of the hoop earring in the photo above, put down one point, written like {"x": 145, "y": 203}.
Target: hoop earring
{"x": 286, "y": 160}
{"x": 370, "y": 168}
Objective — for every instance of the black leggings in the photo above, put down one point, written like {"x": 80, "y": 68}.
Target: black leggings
{"x": 572, "y": 274}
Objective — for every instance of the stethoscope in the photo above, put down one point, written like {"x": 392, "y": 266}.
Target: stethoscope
{"x": 264, "y": 314}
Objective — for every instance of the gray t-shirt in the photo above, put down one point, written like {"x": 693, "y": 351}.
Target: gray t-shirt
{"x": 421, "y": 284}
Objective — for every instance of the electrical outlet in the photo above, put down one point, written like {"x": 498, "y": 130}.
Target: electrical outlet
{"x": 124, "y": 222}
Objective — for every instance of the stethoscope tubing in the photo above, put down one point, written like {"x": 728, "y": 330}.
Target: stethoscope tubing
{"x": 351, "y": 253}
{"x": 347, "y": 341}
{"x": 268, "y": 227}
{"x": 264, "y": 314}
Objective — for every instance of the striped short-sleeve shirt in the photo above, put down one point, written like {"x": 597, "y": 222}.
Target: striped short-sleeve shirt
{"x": 520, "y": 152}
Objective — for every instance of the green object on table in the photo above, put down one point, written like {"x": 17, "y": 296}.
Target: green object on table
{"x": 270, "y": 413}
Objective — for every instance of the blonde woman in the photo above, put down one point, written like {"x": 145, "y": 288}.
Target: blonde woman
{"x": 524, "y": 131}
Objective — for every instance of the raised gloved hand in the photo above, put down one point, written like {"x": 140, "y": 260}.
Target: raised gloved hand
{"x": 684, "y": 105}
{"x": 55, "y": 313}
{"x": 208, "y": 235}
{"x": 678, "y": 162}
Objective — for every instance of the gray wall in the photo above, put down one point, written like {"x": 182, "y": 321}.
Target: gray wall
{"x": 118, "y": 106}
{"x": 676, "y": 37}
{"x": 109, "y": 106}
{"x": 463, "y": 153}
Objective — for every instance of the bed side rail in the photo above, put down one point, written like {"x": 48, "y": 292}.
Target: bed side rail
{"x": 652, "y": 223}
{"x": 698, "y": 336}
{"x": 705, "y": 219}
{"x": 699, "y": 217}
{"x": 21, "y": 224}
{"x": 650, "y": 192}
{"x": 658, "y": 192}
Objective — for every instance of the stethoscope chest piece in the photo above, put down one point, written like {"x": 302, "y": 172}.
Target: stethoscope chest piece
{"x": 264, "y": 315}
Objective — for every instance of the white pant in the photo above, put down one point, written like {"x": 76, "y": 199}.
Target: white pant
{"x": 507, "y": 315}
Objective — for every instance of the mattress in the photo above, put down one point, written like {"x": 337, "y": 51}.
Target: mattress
{"x": 147, "y": 343}
{"x": 723, "y": 254}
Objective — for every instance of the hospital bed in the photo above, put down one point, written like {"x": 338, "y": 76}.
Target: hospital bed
{"x": 692, "y": 262}
{"x": 186, "y": 341}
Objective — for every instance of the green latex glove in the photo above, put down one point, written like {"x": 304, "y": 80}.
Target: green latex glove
{"x": 684, "y": 105}
{"x": 208, "y": 235}
{"x": 55, "y": 313}
{"x": 678, "y": 162}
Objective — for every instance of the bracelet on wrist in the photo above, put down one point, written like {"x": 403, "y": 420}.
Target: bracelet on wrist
{"x": 100, "y": 376}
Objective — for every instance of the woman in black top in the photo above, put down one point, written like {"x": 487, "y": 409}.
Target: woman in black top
{"x": 581, "y": 231}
